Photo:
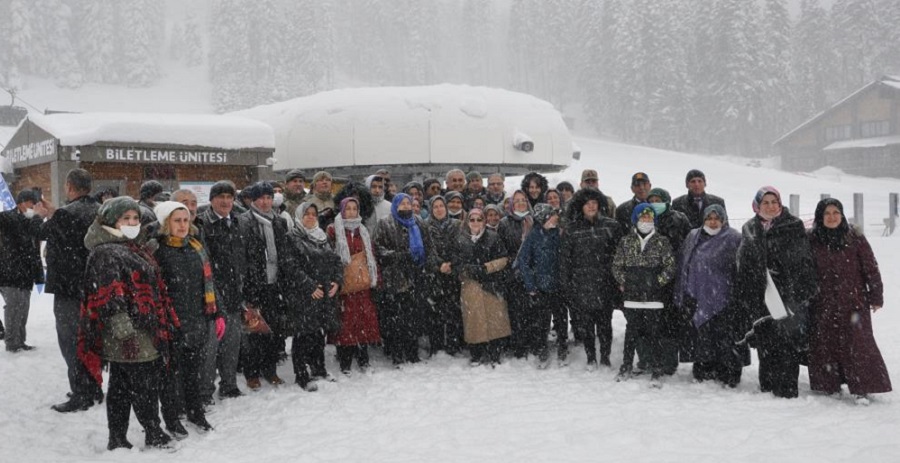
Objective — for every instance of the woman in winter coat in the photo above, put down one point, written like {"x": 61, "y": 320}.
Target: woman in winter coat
{"x": 480, "y": 264}
{"x": 538, "y": 265}
{"x": 644, "y": 265}
{"x": 311, "y": 294}
{"x": 187, "y": 272}
{"x": 403, "y": 247}
{"x": 444, "y": 320}
{"x": 705, "y": 294}
{"x": 127, "y": 321}
{"x": 842, "y": 347}
{"x": 535, "y": 187}
{"x": 456, "y": 204}
{"x": 359, "y": 318}
{"x": 775, "y": 242}
{"x": 512, "y": 230}
{"x": 586, "y": 255}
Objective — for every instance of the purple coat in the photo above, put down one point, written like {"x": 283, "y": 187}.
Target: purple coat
{"x": 706, "y": 271}
{"x": 842, "y": 346}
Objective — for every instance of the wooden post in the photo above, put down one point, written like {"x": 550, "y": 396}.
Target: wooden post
{"x": 892, "y": 212}
{"x": 795, "y": 205}
{"x": 858, "y": 216}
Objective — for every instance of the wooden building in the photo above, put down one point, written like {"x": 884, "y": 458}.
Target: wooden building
{"x": 122, "y": 150}
{"x": 859, "y": 135}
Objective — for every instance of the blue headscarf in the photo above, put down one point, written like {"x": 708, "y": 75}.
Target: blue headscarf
{"x": 416, "y": 246}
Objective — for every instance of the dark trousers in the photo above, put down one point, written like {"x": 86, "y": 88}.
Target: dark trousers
{"x": 345, "y": 355}
{"x": 519, "y": 306}
{"x": 445, "y": 328}
{"x": 308, "y": 355}
{"x": 717, "y": 371}
{"x": 486, "y": 351}
{"x": 133, "y": 385}
{"x": 779, "y": 366}
{"x": 591, "y": 323}
{"x": 402, "y": 325}
{"x": 261, "y": 355}
{"x": 561, "y": 320}
{"x": 642, "y": 334}
{"x": 66, "y": 310}
{"x": 536, "y": 322}
{"x": 183, "y": 382}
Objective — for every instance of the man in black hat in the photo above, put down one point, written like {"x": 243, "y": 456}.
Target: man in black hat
{"x": 20, "y": 265}
{"x": 67, "y": 256}
{"x": 149, "y": 190}
{"x": 294, "y": 190}
{"x": 696, "y": 200}
{"x": 220, "y": 230}
{"x": 640, "y": 186}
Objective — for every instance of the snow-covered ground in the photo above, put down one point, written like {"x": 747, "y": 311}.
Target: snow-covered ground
{"x": 443, "y": 410}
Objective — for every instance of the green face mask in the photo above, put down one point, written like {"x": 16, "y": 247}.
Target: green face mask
{"x": 658, "y": 208}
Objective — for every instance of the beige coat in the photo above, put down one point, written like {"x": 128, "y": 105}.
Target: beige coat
{"x": 485, "y": 316}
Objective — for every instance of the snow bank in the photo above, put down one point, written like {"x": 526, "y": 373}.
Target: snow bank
{"x": 226, "y": 132}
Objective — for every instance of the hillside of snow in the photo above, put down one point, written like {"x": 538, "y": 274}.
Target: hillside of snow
{"x": 444, "y": 410}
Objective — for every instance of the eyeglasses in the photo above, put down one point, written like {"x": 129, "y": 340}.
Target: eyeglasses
{"x": 475, "y": 219}
{"x": 495, "y": 183}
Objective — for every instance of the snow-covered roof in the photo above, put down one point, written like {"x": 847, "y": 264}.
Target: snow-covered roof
{"x": 226, "y": 132}
{"x": 440, "y": 124}
{"x": 875, "y": 142}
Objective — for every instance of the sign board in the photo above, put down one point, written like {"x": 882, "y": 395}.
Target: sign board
{"x": 32, "y": 153}
{"x": 162, "y": 155}
{"x": 201, "y": 189}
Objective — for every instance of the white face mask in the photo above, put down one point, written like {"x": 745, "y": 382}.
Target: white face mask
{"x": 521, "y": 213}
{"x": 29, "y": 213}
{"x": 645, "y": 227}
{"x": 277, "y": 200}
{"x": 130, "y": 231}
{"x": 710, "y": 231}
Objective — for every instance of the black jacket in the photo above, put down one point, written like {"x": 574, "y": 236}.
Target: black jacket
{"x": 225, "y": 247}
{"x": 675, "y": 226}
{"x": 20, "y": 260}
{"x": 66, "y": 254}
{"x": 685, "y": 205}
{"x": 255, "y": 281}
{"x": 445, "y": 239}
{"x": 510, "y": 232}
{"x": 399, "y": 272}
{"x": 182, "y": 270}
{"x": 310, "y": 265}
{"x": 623, "y": 214}
{"x": 471, "y": 257}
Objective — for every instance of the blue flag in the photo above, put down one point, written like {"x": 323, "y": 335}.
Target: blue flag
{"x": 7, "y": 201}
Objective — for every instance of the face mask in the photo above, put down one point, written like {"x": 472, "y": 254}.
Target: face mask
{"x": 645, "y": 227}
{"x": 130, "y": 231}
{"x": 405, "y": 214}
{"x": 710, "y": 231}
{"x": 29, "y": 213}
{"x": 277, "y": 200}
{"x": 454, "y": 214}
{"x": 521, "y": 214}
{"x": 658, "y": 208}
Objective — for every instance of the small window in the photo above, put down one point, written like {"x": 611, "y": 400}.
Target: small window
{"x": 870, "y": 129}
{"x": 838, "y": 132}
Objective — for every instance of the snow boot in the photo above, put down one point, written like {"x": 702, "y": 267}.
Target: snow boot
{"x": 118, "y": 442}
{"x": 155, "y": 437}
{"x": 625, "y": 373}
{"x": 176, "y": 429}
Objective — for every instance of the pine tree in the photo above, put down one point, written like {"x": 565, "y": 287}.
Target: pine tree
{"x": 812, "y": 61}
{"x": 856, "y": 28}
{"x": 177, "y": 42}
{"x": 140, "y": 43}
{"x": 229, "y": 51}
{"x": 193, "y": 42}
{"x": 98, "y": 44}
{"x": 775, "y": 56}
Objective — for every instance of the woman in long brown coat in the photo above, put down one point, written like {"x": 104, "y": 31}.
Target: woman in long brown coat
{"x": 842, "y": 346}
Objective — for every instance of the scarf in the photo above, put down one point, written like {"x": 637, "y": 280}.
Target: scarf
{"x": 209, "y": 290}
{"x": 416, "y": 246}
{"x": 316, "y": 234}
{"x": 834, "y": 238}
{"x": 343, "y": 247}
{"x": 265, "y": 226}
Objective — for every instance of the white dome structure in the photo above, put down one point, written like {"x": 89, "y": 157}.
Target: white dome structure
{"x": 417, "y": 131}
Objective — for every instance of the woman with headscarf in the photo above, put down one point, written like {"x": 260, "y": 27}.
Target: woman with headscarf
{"x": 643, "y": 266}
{"x": 403, "y": 247}
{"x": 187, "y": 272}
{"x": 127, "y": 321}
{"x": 456, "y": 205}
{"x": 775, "y": 243}
{"x": 444, "y": 321}
{"x": 512, "y": 230}
{"x": 359, "y": 319}
{"x": 492, "y": 216}
{"x": 481, "y": 263}
{"x": 705, "y": 295}
{"x": 842, "y": 347}
{"x": 311, "y": 294}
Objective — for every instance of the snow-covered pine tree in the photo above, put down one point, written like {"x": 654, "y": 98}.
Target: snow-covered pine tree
{"x": 176, "y": 42}
{"x": 229, "y": 67}
{"x": 98, "y": 40}
{"x": 140, "y": 37}
{"x": 477, "y": 30}
{"x": 193, "y": 41}
{"x": 813, "y": 61}
{"x": 856, "y": 28}
{"x": 775, "y": 61}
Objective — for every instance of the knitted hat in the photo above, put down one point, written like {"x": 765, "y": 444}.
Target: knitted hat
{"x": 164, "y": 209}
{"x": 661, "y": 194}
{"x": 113, "y": 208}
{"x": 320, "y": 175}
{"x": 150, "y": 189}
{"x": 220, "y": 188}
{"x": 642, "y": 209}
{"x": 762, "y": 192}
{"x": 474, "y": 175}
{"x": 294, "y": 173}
{"x": 694, "y": 173}
{"x": 259, "y": 189}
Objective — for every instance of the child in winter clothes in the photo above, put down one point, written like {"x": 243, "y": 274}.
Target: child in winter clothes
{"x": 644, "y": 265}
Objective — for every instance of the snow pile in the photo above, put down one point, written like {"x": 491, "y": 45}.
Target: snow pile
{"x": 226, "y": 132}
{"x": 440, "y": 124}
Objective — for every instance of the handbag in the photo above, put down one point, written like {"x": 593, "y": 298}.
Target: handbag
{"x": 356, "y": 274}
{"x": 254, "y": 323}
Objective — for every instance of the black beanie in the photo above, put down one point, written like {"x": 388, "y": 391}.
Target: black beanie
{"x": 221, "y": 187}
{"x": 259, "y": 189}
{"x": 150, "y": 189}
{"x": 694, "y": 173}
{"x": 294, "y": 173}
{"x": 26, "y": 195}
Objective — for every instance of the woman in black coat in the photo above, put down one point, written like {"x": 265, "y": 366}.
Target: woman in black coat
{"x": 444, "y": 324}
{"x": 311, "y": 292}
{"x": 775, "y": 241}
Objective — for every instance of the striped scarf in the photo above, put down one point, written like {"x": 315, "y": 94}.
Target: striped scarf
{"x": 209, "y": 289}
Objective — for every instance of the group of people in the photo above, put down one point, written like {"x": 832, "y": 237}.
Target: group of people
{"x": 171, "y": 295}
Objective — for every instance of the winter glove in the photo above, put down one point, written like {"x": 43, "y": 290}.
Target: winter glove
{"x": 220, "y": 328}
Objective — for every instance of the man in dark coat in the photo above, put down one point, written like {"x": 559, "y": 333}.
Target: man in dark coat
{"x": 149, "y": 190}
{"x": 587, "y": 251}
{"x": 221, "y": 234}
{"x": 775, "y": 241}
{"x": 697, "y": 199}
{"x": 20, "y": 265}
{"x": 67, "y": 256}
{"x": 640, "y": 186}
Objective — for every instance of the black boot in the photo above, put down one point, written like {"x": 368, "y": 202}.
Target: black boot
{"x": 74, "y": 404}
{"x": 199, "y": 420}
{"x": 118, "y": 442}
{"x": 155, "y": 437}
{"x": 176, "y": 429}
